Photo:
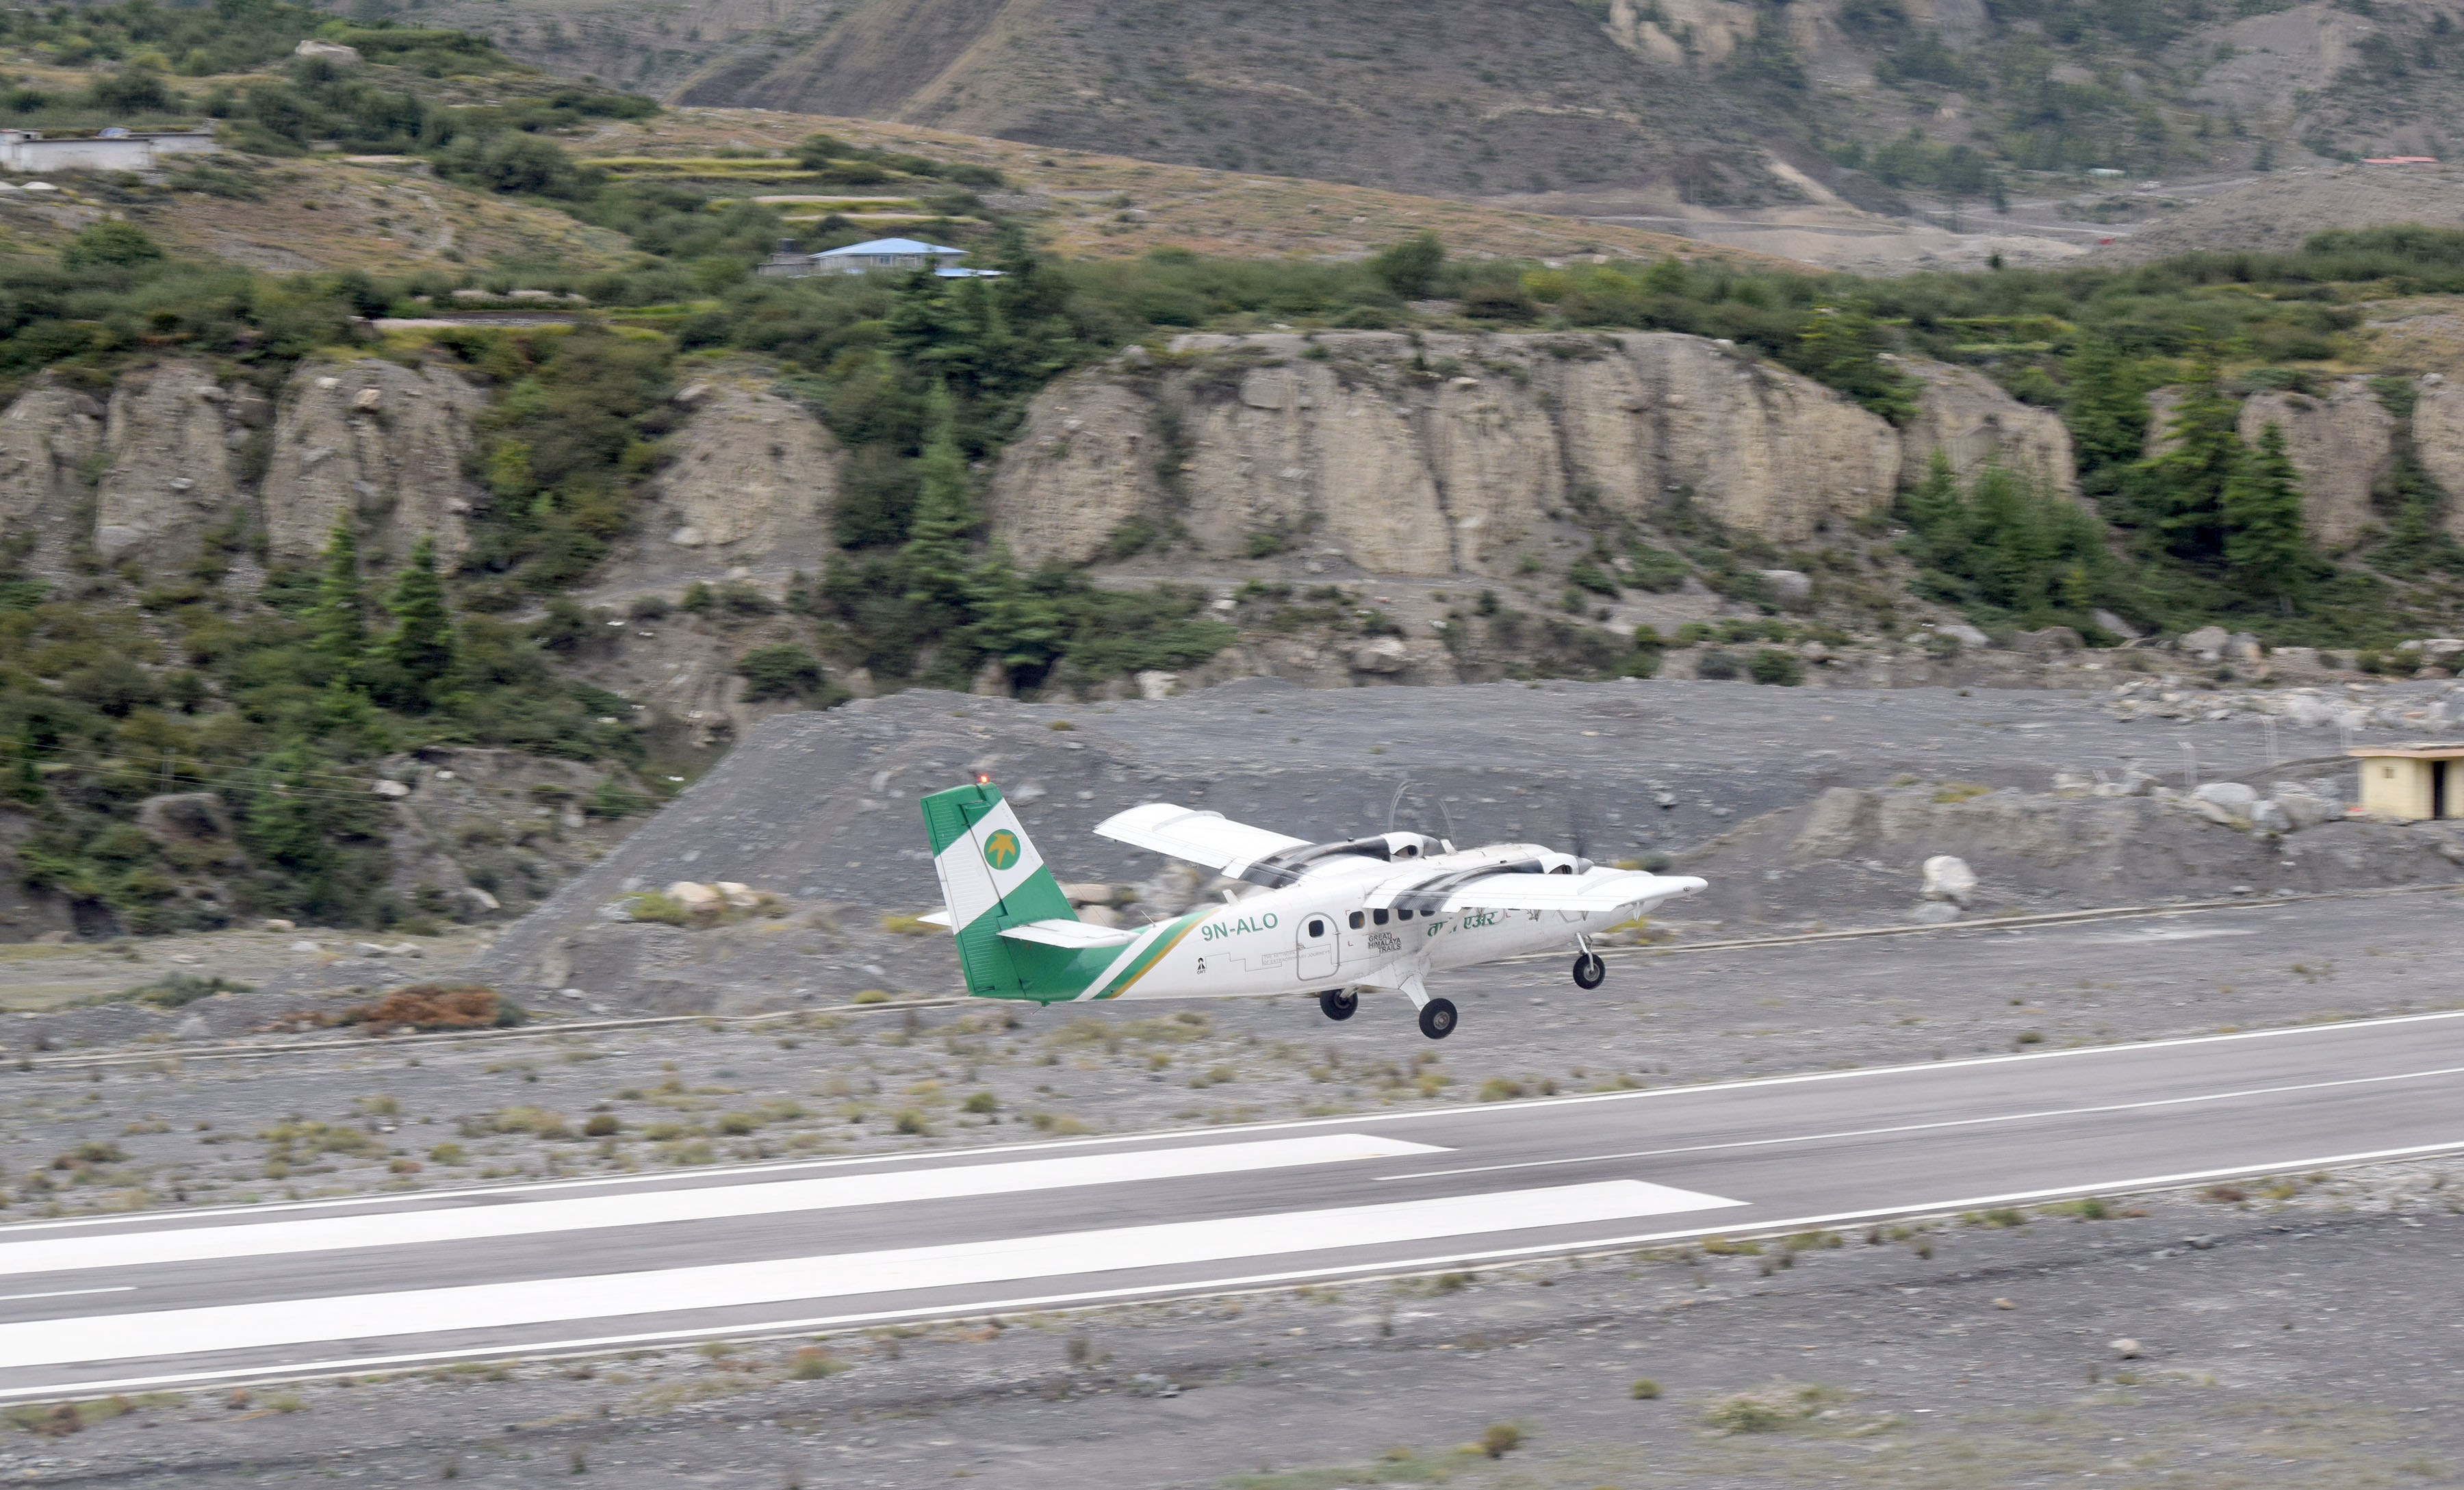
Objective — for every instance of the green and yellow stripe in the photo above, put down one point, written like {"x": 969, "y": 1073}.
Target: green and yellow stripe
{"x": 1143, "y": 961}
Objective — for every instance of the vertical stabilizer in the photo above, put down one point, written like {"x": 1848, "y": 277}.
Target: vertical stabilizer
{"x": 992, "y": 878}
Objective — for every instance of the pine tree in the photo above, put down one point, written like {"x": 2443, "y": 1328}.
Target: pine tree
{"x": 422, "y": 645}
{"x": 341, "y": 618}
{"x": 2261, "y": 506}
{"x": 935, "y": 556}
{"x": 2182, "y": 489}
{"x": 2109, "y": 409}
{"x": 1015, "y": 625}
{"x": 1841, "y": 346}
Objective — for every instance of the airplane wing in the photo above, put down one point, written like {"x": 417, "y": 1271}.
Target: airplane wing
{"x": 1208, "y": 838}
{"x": 1074, "y": 935}
{"x": 1599, "y": 891}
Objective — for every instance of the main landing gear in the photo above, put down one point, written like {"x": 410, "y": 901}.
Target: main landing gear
{"x": 1339, "y": 1004}
{"x": 1438, "y": 1018}
{"x": 1590, "y": 972}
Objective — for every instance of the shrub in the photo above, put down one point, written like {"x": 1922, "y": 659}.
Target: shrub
{"x": 1773, "y": 666}
{"x": 1501, "y": 1440}
{"x": 437, "y": 1006}
{"x": 181, "y": 988}
{"x": 1497, "y": 1088}
{"x": 1716, "y": 665}
{"x": 785, "y": 670}
{"x": 983, "y": 1101}
{"x": 1643, "y": 1390}
{"x": 602, "y": 1124}
{"x": 812, "y": 1363}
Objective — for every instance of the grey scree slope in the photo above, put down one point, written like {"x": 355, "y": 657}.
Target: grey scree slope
{"x": 821, "y": 806}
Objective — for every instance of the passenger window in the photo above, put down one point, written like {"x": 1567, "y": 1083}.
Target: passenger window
{"x": 1316, "y": 927}
{"x": 1378, "y": 916}
{"x": 1356, "y": 919}
{"x": 1403, "y": 915}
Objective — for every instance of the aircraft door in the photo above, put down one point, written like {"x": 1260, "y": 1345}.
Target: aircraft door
{"x": 1318, "y": 946}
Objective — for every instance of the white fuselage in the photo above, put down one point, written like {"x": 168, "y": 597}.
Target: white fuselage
{"x": 1320, "y": 935}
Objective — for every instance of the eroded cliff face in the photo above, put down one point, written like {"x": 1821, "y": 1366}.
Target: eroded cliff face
{"x": 170, "y": 437}
{"x": 48, "y": 437}
{"x": 2341, "y": 443}
{"x": 752, "y": 483}
{"x": 1454, "y": 452}
{"x": 2438, "y": 443}
{"x": 381, "y": 442}
{"x": 1972, "y": 422}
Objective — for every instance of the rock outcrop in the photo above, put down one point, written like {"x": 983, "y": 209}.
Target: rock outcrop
{"x": 2341, "y": 443}
{"x": 1968, "y": 418}
{"x": 171, "y": 477}
{"x": 1454, "y": 452}
{"x": 377, "y": 440}
{"x": 753, "y": 483}
{"x": 47, "y": 438}
{"x": 2438, "y": 441}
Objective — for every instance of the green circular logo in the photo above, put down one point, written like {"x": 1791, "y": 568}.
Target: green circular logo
{"x": 1001, "y": 850}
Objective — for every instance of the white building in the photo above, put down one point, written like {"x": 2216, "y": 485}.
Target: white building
{"x": 111, "y": 150}
{"x": 897, "y": 254}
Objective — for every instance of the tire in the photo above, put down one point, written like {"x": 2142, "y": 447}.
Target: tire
{"x": 1438, "y": 1018}
{"x": 1338, "y": 1005}
{"x": 1590, "y": 972}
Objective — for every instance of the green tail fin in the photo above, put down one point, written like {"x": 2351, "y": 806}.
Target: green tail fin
{"x": 992, "y": 879}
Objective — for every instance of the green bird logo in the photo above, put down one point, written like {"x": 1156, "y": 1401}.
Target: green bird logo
{"x": 1001, "y": 850}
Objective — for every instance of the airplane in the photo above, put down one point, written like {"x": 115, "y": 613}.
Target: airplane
{"x": 1380, "y": 912}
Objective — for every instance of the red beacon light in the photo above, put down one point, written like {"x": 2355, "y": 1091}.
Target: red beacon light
{"x": 983, "y": 780}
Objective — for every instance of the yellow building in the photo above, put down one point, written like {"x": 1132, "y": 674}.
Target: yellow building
{"x": 2410, "y": 782}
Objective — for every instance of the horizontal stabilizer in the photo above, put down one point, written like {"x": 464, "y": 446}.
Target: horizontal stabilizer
{"x": 1074, "y": 935}
{"x": 1208, "y": 838}
{"x": 939, "y": 918}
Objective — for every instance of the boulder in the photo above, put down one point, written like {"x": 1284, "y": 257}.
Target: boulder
{"x": 1155, "y": 684}
{"x": 1948, "y": 877}
{"x": 699, "y": 900}
{"x": 2270, "y": 815}
{"x": 1087, "y": 893}
{"x": 2303, "y": 808}
{"x": 2208, "y": 643}
{"x": 1100, "y": 915}
{"x": 2070, "y": 781}
{"x": 1386, "y": 654}
{"x": 333, "y": 53}
{"x": 2109, "y": 623}
{"x": 738, "y": 897}
{"x": 1963, "y": 634}
{"x": 387, "y": 788}
{"x": 2243, "y": 647}
{"x": 185, "y": 818}
{"x": 2227, "y": 794}
{"x": 2051, "y": 641}
{"x": 1787, "y": 585}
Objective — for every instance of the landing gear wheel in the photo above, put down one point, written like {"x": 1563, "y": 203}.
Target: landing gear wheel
{"x": 1590, "y": 972}
{"x": 1338, "y": 1005}
{"x": 1438, "y": 1018}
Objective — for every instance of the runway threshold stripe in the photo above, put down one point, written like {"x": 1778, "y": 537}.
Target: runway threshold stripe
{"x": 465, "y": 1222}
{"x": 486, "y": 1306}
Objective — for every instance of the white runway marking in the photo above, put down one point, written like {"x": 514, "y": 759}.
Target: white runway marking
{"x": 65, "y": 1293}
{"x": 1923, "y": 1127}
{"x": 644, "y": 1208}
{"x": 240, "y": 1327}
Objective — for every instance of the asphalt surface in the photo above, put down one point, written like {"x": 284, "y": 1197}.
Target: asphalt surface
{"x": 99, "y": 1304}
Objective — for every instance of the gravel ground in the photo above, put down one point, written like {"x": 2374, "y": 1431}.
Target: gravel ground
{"x": 146, "y": 1127}
{"x": 2272, "y": 1334}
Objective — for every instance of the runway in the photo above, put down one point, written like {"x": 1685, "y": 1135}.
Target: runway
{"x": 125, "y": 1303}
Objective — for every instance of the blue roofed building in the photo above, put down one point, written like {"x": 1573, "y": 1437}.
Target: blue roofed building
{"x": 901, "y": 255}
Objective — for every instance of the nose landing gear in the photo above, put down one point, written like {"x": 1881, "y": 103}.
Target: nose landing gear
{"x": 1339, "y": 1004}
{"x": 1590, "y": 972}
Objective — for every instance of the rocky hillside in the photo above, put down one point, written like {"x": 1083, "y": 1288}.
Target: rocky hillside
{"x": 1691, "y": 107}
{"x": 1463, "y": 454}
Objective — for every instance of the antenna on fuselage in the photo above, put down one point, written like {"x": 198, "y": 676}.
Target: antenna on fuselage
{"x": 1396, "y": 803}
